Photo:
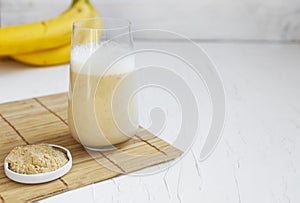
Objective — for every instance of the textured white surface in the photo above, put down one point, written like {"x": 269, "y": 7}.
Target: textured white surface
{"x": 258, "y": 157}
{"x": 205, "y": 19}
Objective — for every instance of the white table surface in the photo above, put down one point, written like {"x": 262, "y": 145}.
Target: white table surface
{"x": 258, "y": 156}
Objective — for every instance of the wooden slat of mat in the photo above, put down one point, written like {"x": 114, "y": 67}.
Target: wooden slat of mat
{"x": 45, "y": 120}
{"x": 8, "y": 140}
{"x": 57, "y": 104}
{"x": 36, "y": 123}
{"x": 19, "y": 108}
{"x": 143, "y": 153}
{"x": 8, "y": 136}
{"x": 93, "y": 173}
{"x": 16, "y": 192}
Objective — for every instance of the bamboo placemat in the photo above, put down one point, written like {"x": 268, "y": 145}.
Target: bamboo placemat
{"x": 44, "y": 120}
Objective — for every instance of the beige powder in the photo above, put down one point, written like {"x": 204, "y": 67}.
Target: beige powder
{"x": 33, "y": 159}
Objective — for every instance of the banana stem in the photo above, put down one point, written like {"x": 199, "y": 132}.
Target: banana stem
{"x": 75, "y": 1}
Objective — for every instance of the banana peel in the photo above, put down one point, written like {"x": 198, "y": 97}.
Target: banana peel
{"x": 43, "y": 35}
{"x": 53, "y": 56}
{"x": 47, "y": 57}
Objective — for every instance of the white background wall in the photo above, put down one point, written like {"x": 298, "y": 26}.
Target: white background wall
{"x": 197, "y": 19}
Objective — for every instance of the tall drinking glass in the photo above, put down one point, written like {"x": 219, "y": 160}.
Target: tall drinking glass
{"x": 100, "y": 113}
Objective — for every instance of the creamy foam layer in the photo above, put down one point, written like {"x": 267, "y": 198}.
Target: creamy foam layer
{"x": 101, "y": 59}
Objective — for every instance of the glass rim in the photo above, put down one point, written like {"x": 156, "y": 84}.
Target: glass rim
{"x": 127, "y": 23}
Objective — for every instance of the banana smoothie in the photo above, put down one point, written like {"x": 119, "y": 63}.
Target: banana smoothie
{"x": 99, "y": 116}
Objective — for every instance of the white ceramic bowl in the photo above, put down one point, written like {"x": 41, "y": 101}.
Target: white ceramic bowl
{"x": 40, "y": 177}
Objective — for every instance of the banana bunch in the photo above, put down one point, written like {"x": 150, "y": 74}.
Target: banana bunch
{"x": 47, "y": 42}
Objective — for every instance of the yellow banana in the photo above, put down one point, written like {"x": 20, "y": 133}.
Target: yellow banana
{"x": 46, "y": 57}
{"x": 45, "y": 34}
{"x": 3, "y": 57}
